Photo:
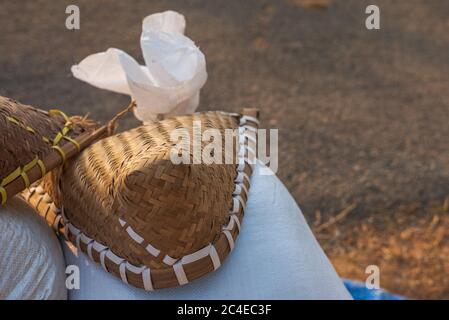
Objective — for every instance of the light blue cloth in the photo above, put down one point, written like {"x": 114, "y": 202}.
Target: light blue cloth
{"x": 32, "y": 265}
{"x": 276, "y": 257}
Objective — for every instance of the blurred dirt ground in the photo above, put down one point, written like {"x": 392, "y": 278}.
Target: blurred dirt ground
{"x": 363, "y": 115}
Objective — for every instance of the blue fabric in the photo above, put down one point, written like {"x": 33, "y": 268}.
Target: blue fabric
{"x": 359, "y": 291}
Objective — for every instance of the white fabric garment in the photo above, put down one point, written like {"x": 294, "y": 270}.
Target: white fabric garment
{"x": 170, "y": 81}
{"x": 32, "y": 265}
{"x": 276, "y": 256}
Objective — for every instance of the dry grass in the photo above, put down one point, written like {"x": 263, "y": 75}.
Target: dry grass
{"x": 317, "y": 4}
{"x": 411, "y": 247}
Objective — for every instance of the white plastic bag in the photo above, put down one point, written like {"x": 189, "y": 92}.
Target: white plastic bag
{"x": 170, "y": 81}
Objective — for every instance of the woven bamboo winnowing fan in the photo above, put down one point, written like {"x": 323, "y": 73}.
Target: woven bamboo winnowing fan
{"x": 33, "y": 142}
{"x": 153, "y": 223}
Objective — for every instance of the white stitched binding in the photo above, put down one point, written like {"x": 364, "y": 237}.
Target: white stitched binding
{"x": 180, "y": 273}
{"x": 235, "y": 205}
{"x": 102, "y": 260}
{"x": 114, "y": 258}
{"x": 134, "y": 269}
{"x": 152, "y": 250}
{"x": 230, "y": 238}
{"x": 197, "y": 255}
{"x": 214, "y": 257}
{"x": 230, "y": 225}
{"x": 77, "y": 240}
{"x": 122, "y": 222}
{"x": 241, "y": 176}
{"x": 146, "y": 277}
{"x": 242, "y": 202}
{"x": 237, "y": 201}
{"x": 89, "y": 250}
{"x": 122, "y": 269}
{"x": 237, "y": 189}
{"x": 137, "y": 238}
{"x": 99, "y": 247}
{"x": 244, "y": 188}
{"x": 236, "y": 220}
{"x": 169, "y": 260}
{"x": 85, "y": 239}
{"x": 74, "y": 230}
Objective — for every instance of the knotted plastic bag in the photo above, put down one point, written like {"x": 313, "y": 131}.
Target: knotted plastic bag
{"x": 170, "y": 81}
